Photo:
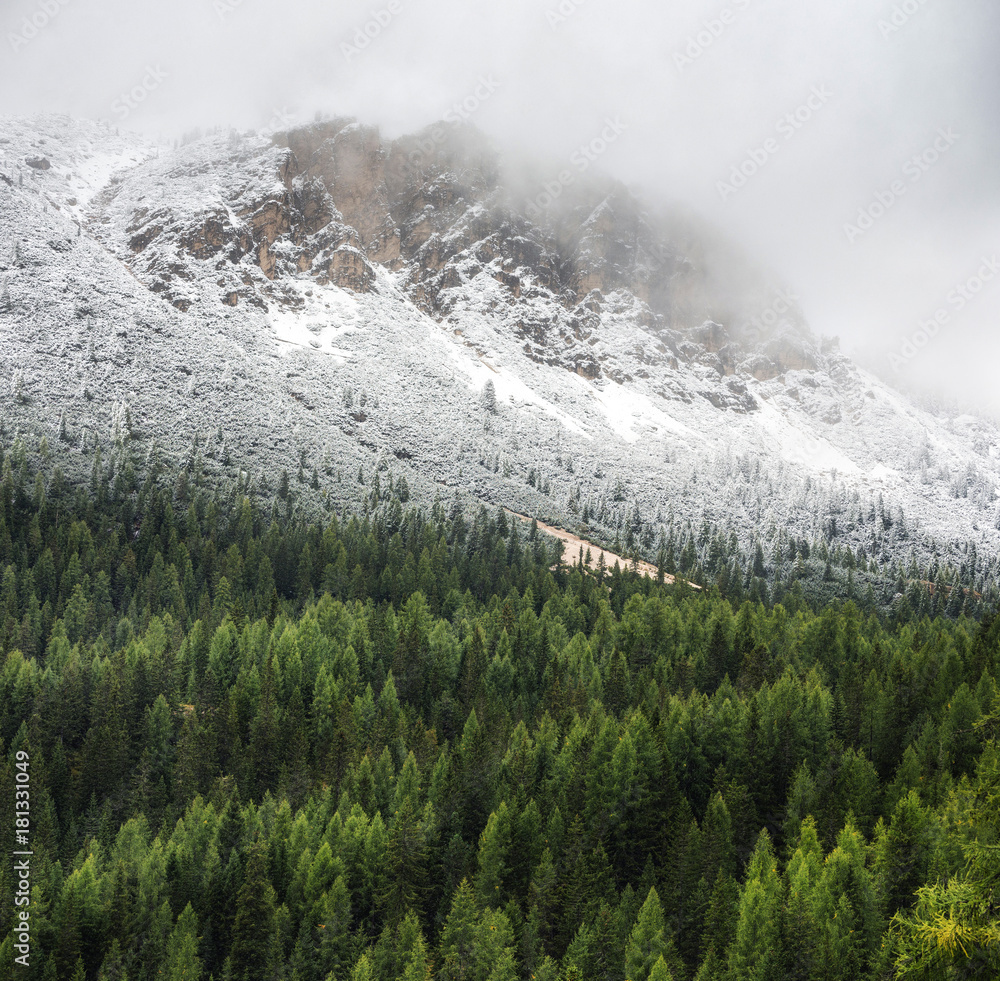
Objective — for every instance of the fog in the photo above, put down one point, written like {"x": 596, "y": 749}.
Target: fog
{"x": 853, "y": 147}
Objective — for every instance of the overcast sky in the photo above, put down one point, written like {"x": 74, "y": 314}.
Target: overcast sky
{"x": 865, "y": 134}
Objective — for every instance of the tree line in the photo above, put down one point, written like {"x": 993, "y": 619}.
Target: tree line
{"x": 416, "y": 744}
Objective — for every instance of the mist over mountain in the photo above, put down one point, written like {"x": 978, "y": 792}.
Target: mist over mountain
{"x": 499, "y": 492}
{"x": 329, "y": 302}
{"x": 699, "y": 91}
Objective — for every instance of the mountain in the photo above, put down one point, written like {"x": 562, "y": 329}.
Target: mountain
{"x": 333, "y": 304}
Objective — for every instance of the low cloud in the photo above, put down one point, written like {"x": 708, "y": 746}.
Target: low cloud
{"x": 702, "y": 84}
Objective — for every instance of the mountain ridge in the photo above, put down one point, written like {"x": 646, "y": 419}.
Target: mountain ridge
{"x": 314, "y": 301}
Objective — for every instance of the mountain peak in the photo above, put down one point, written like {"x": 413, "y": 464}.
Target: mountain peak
{"x": 255, "y": 285}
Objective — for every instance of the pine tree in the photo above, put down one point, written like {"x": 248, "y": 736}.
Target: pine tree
{"x": 407, "y": 857}
{"x": 755, "y": 953}
{"x": 113, "y": 965}
{"x": 254, "y": 917}
{"x": 902, "y": 853}
{"x": 362, "y": 970}
{"x": 660, "y": 971}
{"x": 953, "y": 929}
{"x": 494, "y": 847}
{"x": 334, "y": 927}
{"x": 402, "y": 952}
{"x": 647, "y": 943}
{"x": 488, "y": 397}
{"x": 183, "y": 963}
{"x": 459, "y": 938}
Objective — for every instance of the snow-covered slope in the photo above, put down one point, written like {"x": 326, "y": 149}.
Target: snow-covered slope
{"x": 327, "y": 300}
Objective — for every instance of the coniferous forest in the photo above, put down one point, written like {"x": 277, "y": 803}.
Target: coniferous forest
{"x": 419, "y": 744}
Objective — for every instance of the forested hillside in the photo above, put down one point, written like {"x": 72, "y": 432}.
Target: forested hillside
{"x": 330, "y": 301}
{"x": 414, "y": 744}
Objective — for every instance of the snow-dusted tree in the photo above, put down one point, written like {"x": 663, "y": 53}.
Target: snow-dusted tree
{"x": 488, "y": 396}
{"x": 121, "y": 424}
{"x": 17, "y": 386}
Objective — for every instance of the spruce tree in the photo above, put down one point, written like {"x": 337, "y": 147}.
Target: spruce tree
{"x": 255, "y": 908}
{"x": 755, "y": 953}
{"x": 182, "y": 962}
{"x": 647, "y": 943}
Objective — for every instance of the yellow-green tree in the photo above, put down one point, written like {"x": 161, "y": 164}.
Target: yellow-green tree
{"x": 954, "y": 930}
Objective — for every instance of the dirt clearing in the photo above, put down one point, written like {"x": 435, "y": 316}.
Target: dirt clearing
{"x": 574, "y": 543}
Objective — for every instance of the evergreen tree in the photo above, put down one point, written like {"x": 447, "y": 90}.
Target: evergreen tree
{"x": 953, "y": 929}
{"x": 183, "y": 963}
{"x": 255, "y": 908}
{"x": 755, "y": 952}
{"x": 647, "y": 943}
{"x": 488, "y": 397}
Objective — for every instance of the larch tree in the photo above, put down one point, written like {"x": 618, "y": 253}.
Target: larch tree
{"x": 647, "y": 943}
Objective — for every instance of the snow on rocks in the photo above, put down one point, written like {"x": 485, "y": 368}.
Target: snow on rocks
{"x": 190, "y": 286}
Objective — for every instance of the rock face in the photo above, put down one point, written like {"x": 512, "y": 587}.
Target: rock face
{"x": 325, "y": 301}
{"x": 334, "y": 201}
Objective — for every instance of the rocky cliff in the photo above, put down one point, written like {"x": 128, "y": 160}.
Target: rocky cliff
{"x": 330, "y": 303}
{"x": 333, "y": 201}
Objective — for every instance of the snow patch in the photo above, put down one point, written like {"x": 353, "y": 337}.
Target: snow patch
{"x": 509, "y": 387}
{"x": 882, "y": 472}
{"x": 626, "y": 409}
{"x": 797, "y": 446}
{"x": 326, "y": 315}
